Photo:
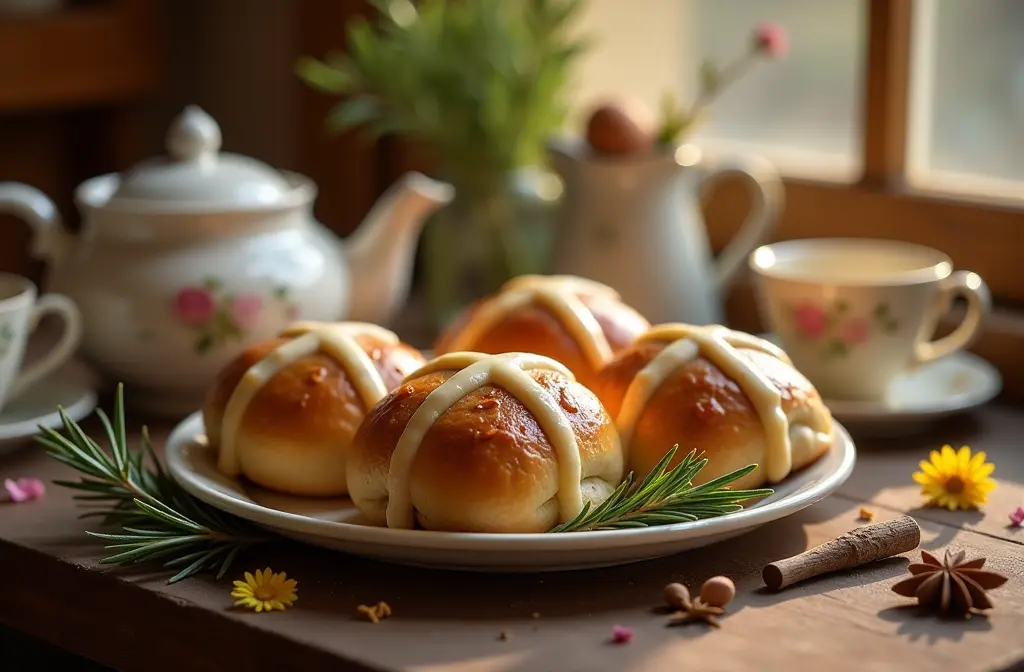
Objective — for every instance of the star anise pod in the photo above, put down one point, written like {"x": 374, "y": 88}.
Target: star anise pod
{"x": 696, "y": 610}
{"x": 951, "y": 586}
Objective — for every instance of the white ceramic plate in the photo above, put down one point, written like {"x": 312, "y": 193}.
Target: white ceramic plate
{"x": 947, "y": 386}
{"x": 334, "y": 523}
{"x": 71, "y": 387}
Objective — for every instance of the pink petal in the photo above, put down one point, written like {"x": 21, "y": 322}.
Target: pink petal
{"x": 33, "y": 486}
{"x": 621, "y": 634}
{"x": 14, "y": 491}
{"x": 24, "y": 489}
{"x": 1017, "y": 517}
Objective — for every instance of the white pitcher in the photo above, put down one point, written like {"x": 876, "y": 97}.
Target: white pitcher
{"x": 635, "y": 224}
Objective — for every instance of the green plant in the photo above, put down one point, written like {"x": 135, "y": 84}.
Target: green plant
{"x": 478, "y": 82}
{"x": 666, "y": 497}
{"x": 129, "y": 489}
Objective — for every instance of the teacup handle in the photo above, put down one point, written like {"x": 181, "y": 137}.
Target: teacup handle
{"x": 979, "y": 302}
{"x": 767, "y": 196}
{"x": 57, "y": 304}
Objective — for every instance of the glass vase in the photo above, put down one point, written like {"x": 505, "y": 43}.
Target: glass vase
{"x": 492, "y": 231}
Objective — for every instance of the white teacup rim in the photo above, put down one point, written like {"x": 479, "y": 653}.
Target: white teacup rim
{"x": 767, "y": 260}
{"x": 16, "y": 292}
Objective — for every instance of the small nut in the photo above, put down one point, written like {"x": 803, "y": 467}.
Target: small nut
{"x": 677, "y": 596}
{"x": 718, "y": 591}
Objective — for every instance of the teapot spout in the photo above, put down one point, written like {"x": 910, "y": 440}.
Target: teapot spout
{"x": 380, "y": 253}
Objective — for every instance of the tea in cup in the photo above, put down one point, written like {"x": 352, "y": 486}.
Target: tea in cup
{"x": 21, "y": 308}
{"x": 854, "y": 313}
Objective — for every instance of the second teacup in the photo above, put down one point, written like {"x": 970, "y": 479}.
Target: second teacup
{"x": 20, "y": 311}
{"x": 854, "y": 313}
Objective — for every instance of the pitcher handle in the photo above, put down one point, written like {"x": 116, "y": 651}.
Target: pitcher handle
{"x": 38, "y": 211}
{"x": 767, "y": 192}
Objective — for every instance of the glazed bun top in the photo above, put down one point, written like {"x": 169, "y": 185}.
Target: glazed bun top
{"x": 347, "y": 344}
{"x": 578, "y": 322}
{"x": 747, "y": 366}
{"x": 583, "y": 443}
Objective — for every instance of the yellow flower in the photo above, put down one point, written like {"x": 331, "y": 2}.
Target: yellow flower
{"x": 265, "y": 591}
{"x": 955, "y": 479}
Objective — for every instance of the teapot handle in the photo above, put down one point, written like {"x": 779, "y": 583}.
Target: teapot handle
{"x": 38, "y": 211}
{"x": 767, "y": 197}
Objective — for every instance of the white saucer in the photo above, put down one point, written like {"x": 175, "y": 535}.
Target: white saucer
{"x": 947, "y": 386}
{"x": 71, "y": 387}
{"x": 336, "y": 524}
{"x": 950, "y": 385}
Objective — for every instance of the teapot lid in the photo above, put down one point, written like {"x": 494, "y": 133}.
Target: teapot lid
{"x": 196, "y": 175}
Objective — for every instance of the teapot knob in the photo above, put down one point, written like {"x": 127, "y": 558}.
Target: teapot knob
{"x": 193, "y": 134}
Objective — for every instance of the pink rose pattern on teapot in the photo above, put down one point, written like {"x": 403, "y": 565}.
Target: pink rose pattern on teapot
{"x": 218, "y": 316}
{"x": 836, "y": 329}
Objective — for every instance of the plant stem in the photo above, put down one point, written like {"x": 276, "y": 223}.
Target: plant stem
{"x": 726, "y": 77}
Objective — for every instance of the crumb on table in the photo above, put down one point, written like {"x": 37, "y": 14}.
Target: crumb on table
{"x": 376, "y": 613}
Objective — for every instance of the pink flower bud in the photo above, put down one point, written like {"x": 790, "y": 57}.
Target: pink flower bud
{"x": 771, "y": 38}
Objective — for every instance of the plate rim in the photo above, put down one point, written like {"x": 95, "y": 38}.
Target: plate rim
{"x": 186, "y": 431}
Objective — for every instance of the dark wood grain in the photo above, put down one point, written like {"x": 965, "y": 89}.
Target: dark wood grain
{"x": 99, "y": 54}
{"x": 345, "y": 166}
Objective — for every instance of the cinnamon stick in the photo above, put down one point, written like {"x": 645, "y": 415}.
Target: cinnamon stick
{"x": 857, "y": 547}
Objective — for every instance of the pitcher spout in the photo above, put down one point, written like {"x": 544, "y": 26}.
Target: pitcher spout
{"x": 380, "y": 253}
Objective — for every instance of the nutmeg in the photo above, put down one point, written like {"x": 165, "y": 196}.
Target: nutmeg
{"x": 620, "y": 129}
{"x": 677, "y": 596}
{"x": 717, "y": 591}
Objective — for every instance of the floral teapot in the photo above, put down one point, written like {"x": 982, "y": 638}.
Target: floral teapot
{"x": 185, "y": 260}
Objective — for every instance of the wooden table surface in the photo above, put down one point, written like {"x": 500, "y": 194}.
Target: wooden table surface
{"x": 53, "y": 589}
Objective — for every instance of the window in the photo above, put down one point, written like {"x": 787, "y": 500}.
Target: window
{"x": 967, "y": 103}
{"x": 890, "y": 118}
{"x": 801, "y": 112}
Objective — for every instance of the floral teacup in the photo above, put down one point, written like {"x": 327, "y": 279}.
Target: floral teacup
{"x": 854, "y": 313}
{"x": 21, "y": 308}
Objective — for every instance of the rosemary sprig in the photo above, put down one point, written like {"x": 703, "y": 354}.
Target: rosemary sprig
{"x": 129, "y": 489}
{"x": 666, "y": 497}
{"x": 160, "y": 522}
